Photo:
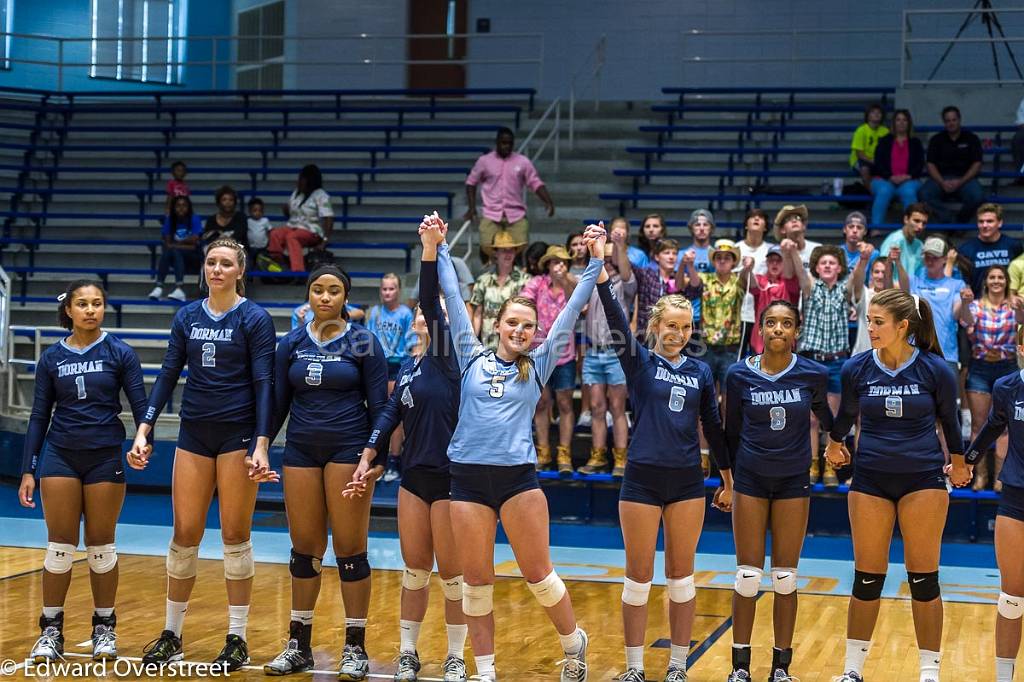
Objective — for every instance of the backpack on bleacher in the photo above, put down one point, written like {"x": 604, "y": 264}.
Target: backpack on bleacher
{"x": 317, "y": 257}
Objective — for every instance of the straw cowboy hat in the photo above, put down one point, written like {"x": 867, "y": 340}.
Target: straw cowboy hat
{"x": 554, "y": 252}
{"x": 502, "y": 240}
{"x": 789, "y": 210}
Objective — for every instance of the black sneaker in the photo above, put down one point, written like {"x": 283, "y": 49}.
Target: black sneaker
{"x": 355, "y": 664}
{"x": 293, "y": 659}
{"x": 165, "y": 649}
{"x": 234, "y": 655}
{"x": 104, "y": 640}
{"x": 50, "y": 645}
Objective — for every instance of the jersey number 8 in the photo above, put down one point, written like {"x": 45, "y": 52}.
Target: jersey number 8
{"x": 778, "y": 417}
{"x": 893, "y": 406}
{"x": 497, "y": 386}
{"x": 314, "y": 373}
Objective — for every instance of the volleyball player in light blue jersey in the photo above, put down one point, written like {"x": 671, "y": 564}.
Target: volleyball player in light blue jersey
{"x": 492, "y": 456}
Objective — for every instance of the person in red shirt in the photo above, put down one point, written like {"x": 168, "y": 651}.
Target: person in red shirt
{"x": 176, "y": 186}
{"x": 780, "y": 283}
{"x": 503, "y": 174}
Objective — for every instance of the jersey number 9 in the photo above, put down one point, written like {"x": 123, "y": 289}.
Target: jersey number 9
{"x": 314, "y": 373}
{"x": 893, "y": 406}
{"x": 497, "y": 386}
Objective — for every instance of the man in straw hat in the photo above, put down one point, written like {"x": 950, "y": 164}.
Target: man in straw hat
{"x": 504, "y": 174}
{"x": 791, "y": 223}
{"x": 494, "y": 288}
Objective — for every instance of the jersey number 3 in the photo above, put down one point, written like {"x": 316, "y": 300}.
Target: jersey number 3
{"x": 314, "y": 373}
{"x": 893, "y": 406}
{"x": 778, "y": 417}
{"x": 209, "y": 355}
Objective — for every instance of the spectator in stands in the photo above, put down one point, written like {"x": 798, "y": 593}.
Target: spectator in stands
{"x": 652, "y": 231}
{"x": 991, "y": 324}
{"x": 754, "y": 245}
{"x": 942, "y": 293}
{"x": 899, "y": 165}
{"x": 879, "y": 276}
{"x": 176, "y": 186}
{"x": 910, "y": 238}
{"x": 653, "y": 283}
{"x": 550, "y": 292}
{"x": 258, "y": 229}
{"x": 865, "y": 141}
{"x": 824, "y": 335}
{"x": 228, "y": 222}
{"x": 578, "y": 253}
{"x": 505, "y": 174}
{"x": 854, "y": 230}
{"x": 603, "y": 377}
{"x": 990, "y": 247}
{"x": 181, "y": 234}
{"x": 954, "y": 161}
{"x": 779, "y": 282}
{"x": 721, "y": 298}
{"x": 492, "y": 289}
{"x": 534, "y": 252}
{"x": 1018, "y": 143}
{"x": 310, "y": 220}
{"x": 791, "y": 223}
{"x": 637, "y": 257}
{"x": 701, "y": 225}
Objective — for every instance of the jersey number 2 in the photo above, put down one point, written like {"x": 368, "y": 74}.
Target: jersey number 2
{"x": 80, "y": 383}
{"x": 778, "y": 416}
{"x": 209, "y": 355}
{"x": 894, "y": 406}
{"x": 314, "y": 373}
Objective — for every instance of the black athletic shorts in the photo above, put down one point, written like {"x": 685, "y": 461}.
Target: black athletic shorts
{"x": 210, "y": 439}
{"x": 1011, "y": 502}
{"x": 428, "y": 484}
{"x": 894, "y": 486}
{"x": 771, "y": 487}
{"x": 319, "y": 456}
{"x": 661, "y": 486}
{"x": 489, "y": 484}
{"x": 95, "y": 465}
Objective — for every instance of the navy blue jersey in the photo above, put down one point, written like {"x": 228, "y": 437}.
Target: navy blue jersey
{"x": 332, "y": 390}
{"x": 230, "y": 361}
{"x": 82, "y": 388}
{"x": 426, "y": 395}
{"x": 898, "y": 409}
{"x": 768, "y": 416}
{"x": 667, "y": 399}
{"x": 1007, "y": 413}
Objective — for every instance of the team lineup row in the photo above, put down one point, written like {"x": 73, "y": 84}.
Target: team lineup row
{"x": 469, "y": 461}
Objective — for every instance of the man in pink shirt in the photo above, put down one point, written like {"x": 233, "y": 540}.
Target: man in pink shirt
{"x": 503, "y": 174}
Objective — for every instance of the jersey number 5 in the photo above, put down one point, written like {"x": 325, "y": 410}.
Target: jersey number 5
{"x": 314, "y": 373}
{"x": 893, "y": 406}
{"x": 80, "y": 383}
{"x": 778, "y": 416}
{"x": 497, "y": 386}
{"x": 209, "y": 355}
{"x": 677, "y": 399}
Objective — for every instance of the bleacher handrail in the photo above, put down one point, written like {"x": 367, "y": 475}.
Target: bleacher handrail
{"x": 595, "y": 62}
{"x": 458, "y": 235}
{"x": 555, "y": 132}
{"x": 365, "y": 46}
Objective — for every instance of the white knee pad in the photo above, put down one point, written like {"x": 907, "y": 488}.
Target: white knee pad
{"x": 681, "y": 590}
{"x": 59, "y": 557}
{"x": 238, "y": 561}
{"x": 548, "y": 591}
{"x": 784, "y": 580}
{"x": 477, "y": 600}
{"x": 102, "y": 558}
{"x": 182, "y": 561}
{"x": 452, "y": 588}
{"x": 1010, "y": 607}
{"x": 415, "y": 578}
{"x": 634, "y": 593}
{"x": 748, "y": 581}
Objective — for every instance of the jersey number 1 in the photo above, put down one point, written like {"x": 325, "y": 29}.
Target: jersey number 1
{"x": 80, "y": 383}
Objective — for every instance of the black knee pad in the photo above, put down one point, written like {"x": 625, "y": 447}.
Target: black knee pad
{"x": 923, "y": 586}
{"x": 353, "y": 568}
{"x": 868, "y": 586}
{"x": 304, "y": 565}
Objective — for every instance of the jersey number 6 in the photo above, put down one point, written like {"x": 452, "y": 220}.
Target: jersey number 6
{"x": 677, "y": 399}
{"x": 497, "y": 386}
{"x": 894, "y": 406}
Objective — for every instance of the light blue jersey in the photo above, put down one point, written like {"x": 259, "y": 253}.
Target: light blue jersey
{"x": 496, "y": 411}
{"x": 391, "y": 327}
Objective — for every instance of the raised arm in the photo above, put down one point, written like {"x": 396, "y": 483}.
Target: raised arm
{"x": 546, "y": 355}
{"x": 430, "y": 303}
{"x": 465, "y": 342}
{"x": 855, "y": 285}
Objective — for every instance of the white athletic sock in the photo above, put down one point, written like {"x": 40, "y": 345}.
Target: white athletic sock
{"x": 635, "y": 657}
{"x": 304, "y": 617}
{"x": 238, "y": 619}
{"x": 930, "y": 665}
{"x": 104, "y": 613}
{"x": 1004, "y": 669}
{"x": 572, "y": 643}
{"x": 409, "y": 633}
{"x": 485, "y": 666}
{"x": 355, "y": 623}
{"x": 175, "y": 616}
{"x": 677, "y": 656}
{"x": 457, "y": 640}
{"x": 51, "y": 612}
{"x": 856, "y": 653}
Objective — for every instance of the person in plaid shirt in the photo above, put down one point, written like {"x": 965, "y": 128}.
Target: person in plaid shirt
{"x": 824, "y": 336}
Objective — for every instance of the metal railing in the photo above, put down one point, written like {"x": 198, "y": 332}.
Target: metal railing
{"x": 362, "y": 54}
{"x": 458, "y": 235}
{"x": 592, "y": 67}
{"x": 555, "y": 132}
{"x": 953, "y": 24}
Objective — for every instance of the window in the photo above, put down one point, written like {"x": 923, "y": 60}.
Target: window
{"x": 7, "y": 26}
{"x": 261, "y": 48}
{"x": 138, "y": 40}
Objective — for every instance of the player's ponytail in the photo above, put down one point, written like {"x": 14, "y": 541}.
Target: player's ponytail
{"x": 239, "y": 258}
{"x": 917, "y": 313}
{"x": 523, "y": 363}
{"x": 64, "y": 300}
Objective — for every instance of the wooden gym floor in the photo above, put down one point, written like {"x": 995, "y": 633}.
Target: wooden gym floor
{"x": 527, "y": 647}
